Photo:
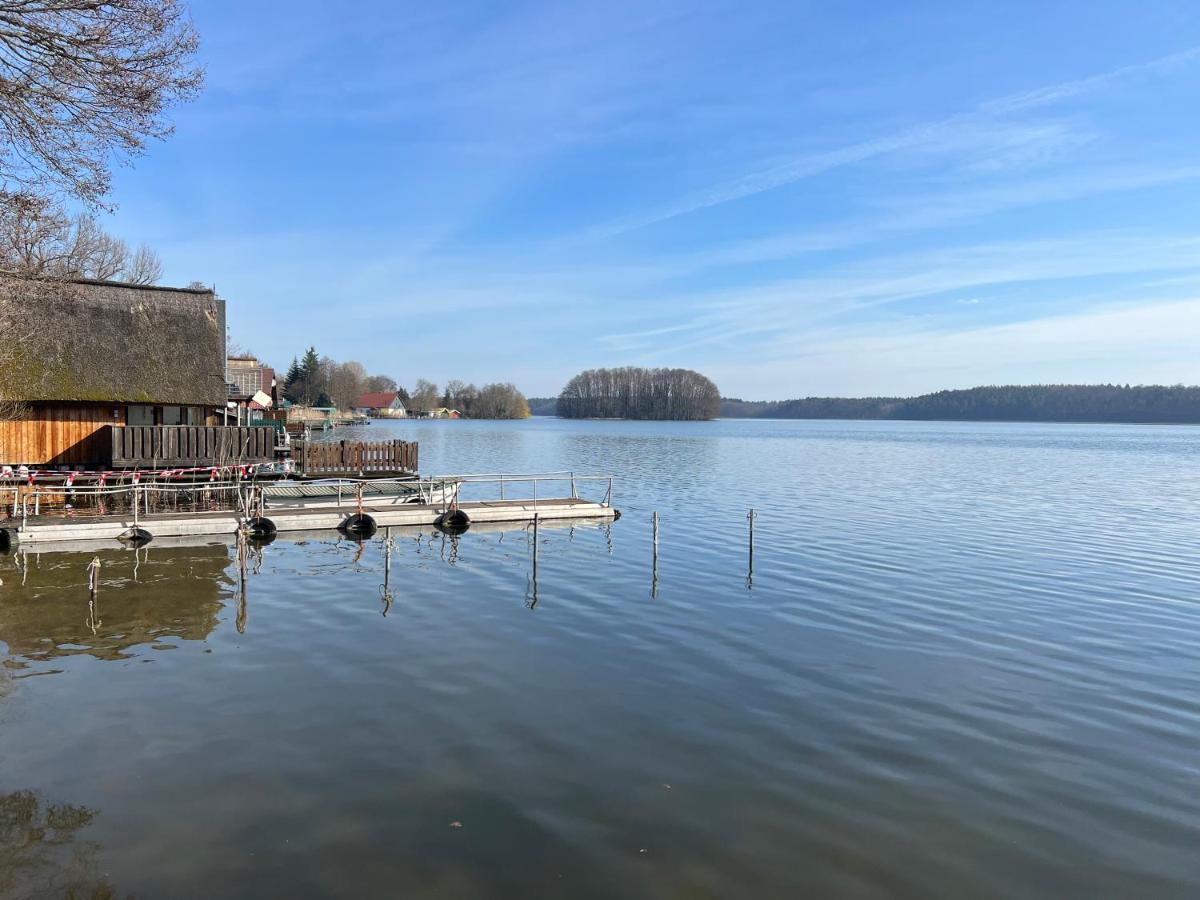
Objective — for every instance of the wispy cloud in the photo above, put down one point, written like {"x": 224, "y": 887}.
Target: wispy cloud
{"x": 1134, "y": 342}
{"x": 982, "y": 126}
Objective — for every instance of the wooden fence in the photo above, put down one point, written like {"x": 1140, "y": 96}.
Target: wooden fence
{"x": 355, "y": 457}
{"x": 191, "y": 445}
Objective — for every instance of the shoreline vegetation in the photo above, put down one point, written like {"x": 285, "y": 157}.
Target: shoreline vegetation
{"x": 1078, "y": 403}
{"x": 320, "y": 381}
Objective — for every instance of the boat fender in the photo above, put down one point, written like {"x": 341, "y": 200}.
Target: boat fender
{"x": 453, "y": 522}
{"x": 261, "y": 527}
{"x": 359, "y": 525}
{"x": 616, "y": 514}
{"x": 136, "y": 537}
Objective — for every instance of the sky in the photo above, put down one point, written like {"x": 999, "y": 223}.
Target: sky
{"x": 796, "y": 199}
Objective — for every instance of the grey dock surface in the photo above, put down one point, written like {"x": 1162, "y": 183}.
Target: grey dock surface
{"x": 59, "y": 528}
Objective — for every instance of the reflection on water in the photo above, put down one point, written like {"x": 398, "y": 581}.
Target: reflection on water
{"x": 958, "y": 660}
{"x": 142, "y": 596}
{"x": 43, "y": 852}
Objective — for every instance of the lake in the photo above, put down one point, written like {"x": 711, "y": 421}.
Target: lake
{"x": 967, "y": 664}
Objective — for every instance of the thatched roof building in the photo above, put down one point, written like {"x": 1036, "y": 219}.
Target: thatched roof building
{"x": 100, "y": 373}
{"x": 109, "y": 342}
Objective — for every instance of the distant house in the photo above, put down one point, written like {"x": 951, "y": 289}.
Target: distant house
{"x": 439, "y": 412}
{"x": 88, "y": 355}
{"x": 247, "y": 377}
{"x": 381, "y": 404}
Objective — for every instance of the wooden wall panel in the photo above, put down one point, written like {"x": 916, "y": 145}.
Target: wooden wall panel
{"x": 60, "y": 435}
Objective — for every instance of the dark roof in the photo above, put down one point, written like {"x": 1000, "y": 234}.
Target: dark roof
{"x": 376, "y": 400}
{"x": 114, "y": 342}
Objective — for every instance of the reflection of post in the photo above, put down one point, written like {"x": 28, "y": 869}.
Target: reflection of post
{"x": 533, "y": 599}
{"x": 750, "y": 517}
{"x": 93, "y": 619}
{"x": 654, "y": 567}
{"x": 388, "y": 543}
{"x": 241, "y": 607}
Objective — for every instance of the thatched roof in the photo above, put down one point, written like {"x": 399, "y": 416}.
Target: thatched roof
{"x": 112, "y": 342}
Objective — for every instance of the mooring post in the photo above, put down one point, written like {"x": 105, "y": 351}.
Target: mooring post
{"x": 388, "y": 544}
{"x": 750, "y": 517}
{"x": 654, "y": 566}
{"x": 533, "y": 598}
{"x": 241, "y": 616}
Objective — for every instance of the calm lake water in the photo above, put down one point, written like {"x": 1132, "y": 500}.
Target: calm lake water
{"x": 967, "y": 665}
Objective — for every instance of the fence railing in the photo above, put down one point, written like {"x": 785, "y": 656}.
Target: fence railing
{"x": 354, "y": 457}
{"x": 191, "y": 445}
{"x": 446, "y": 491}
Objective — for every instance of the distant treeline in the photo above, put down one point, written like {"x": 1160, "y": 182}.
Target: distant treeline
{"x": 1032, "y": 403}
{"x": 635, "y": 393}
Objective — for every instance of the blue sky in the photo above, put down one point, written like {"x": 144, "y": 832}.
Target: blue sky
{"x": 796, "y": 199}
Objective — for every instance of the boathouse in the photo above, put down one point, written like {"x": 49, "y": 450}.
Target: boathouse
{"x": 100, "y": 374}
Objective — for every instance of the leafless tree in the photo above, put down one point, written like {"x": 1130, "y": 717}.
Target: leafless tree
{"x": 424, "y": 395}
{"x": 143, "y": 267}
{"x": 380, "y": 383}
{"x": 346, "y": 383}
{"x": 634, "y": 393}
{"x": 38, "y": 239}
{"x": 91, "y": 252}
{"x": 84, "y": 80}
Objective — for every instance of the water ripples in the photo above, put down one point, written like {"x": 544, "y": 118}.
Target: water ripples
{"x": 967, "y": 663}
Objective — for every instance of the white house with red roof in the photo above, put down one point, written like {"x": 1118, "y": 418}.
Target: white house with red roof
{"x": 381, "y": 405}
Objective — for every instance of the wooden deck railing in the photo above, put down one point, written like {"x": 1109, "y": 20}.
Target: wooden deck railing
{"x": 191, "y": 445}
{"x": 354, "y": 457}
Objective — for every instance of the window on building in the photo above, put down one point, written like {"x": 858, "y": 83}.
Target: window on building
{"x": 172, "y": 415}
{"x": 139, "y": 415}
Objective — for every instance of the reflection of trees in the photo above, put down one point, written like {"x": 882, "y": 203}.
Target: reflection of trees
{"x": 41, "y": 854}
{"x": 160, "y": 593}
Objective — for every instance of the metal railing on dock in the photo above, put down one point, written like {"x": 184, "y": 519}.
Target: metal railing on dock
{"x": 444, "y": 491}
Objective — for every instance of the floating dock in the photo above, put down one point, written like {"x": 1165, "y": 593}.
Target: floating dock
{"x": 227, "y": 522}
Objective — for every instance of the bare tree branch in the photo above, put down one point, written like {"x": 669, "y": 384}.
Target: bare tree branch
{"x": 84, "y": 80}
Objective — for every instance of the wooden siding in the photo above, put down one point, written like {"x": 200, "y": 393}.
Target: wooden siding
{"x": 154, "y": 446}
{"x": 59, "y": 435}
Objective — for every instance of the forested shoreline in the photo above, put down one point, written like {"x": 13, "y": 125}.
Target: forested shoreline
{"x": 1176, "y": 404}
{"x": 635, "y": 393}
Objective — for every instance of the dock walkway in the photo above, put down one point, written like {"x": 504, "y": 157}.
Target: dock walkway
{"x": 37, "y": 529}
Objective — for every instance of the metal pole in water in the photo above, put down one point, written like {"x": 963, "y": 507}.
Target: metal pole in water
{"x": 533, "y": 601}
{"x": 654, "y": 567}
{"x": 750, "y": 517}
{"x": 240, "y": 619}
{"x": 388, "y": 543}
